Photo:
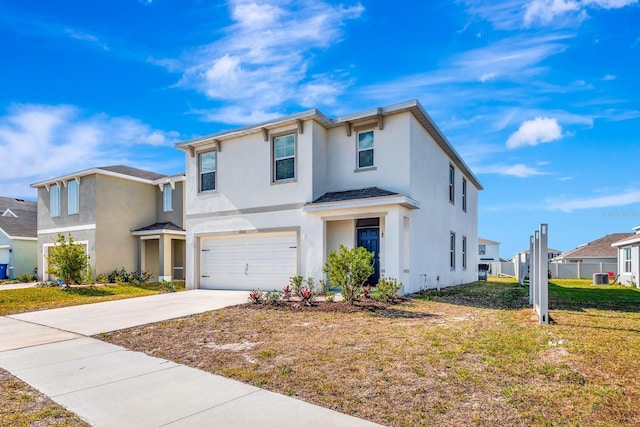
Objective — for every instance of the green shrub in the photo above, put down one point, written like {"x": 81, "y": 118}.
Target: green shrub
{"x": 167, "y": 286}
{"x": 67, "y": 260}
{"x": 386, "y": 289}
{"x": 348, "y": 269}
{"x": 273, "y": 297}
{"x": 102, "y": 278}
{"x": 326, "y": 290}
{"x": 25, "y": 278}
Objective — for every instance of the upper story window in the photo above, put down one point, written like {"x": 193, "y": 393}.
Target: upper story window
{"x": 207, "y": 171}
{"x": 365, "y": 149}
{"x": 627, "y": 260}
{"x": 482, "y": 249}
{"x": 284, "y": 157}
{"x": 73, "y": 197}
{"x": 464, "y": 252}
{"x": 452, "y": 251}
{"x": 54, "y": 200}
{"x": 464, "y": 194}
{"x": 452, "y": 184}
{"x": 167, "y": 198}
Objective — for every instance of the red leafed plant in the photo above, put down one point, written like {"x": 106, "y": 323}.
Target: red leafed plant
{"x": 305, "y": 296}
{"x": 286, "y": 292}
{"x": 366, "y": 291}
{"x": 255, "y": 296}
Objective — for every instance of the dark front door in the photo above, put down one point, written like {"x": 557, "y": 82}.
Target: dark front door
{"x": 369, "y": 238}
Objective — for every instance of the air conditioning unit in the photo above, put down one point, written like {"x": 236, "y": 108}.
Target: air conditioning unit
{"x": 600, "y": 279}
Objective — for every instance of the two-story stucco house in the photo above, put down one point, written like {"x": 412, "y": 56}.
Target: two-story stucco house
{"x": 18, "y": 241}
{"x": 271, "y": 200}
{"x": 126, "y": 218}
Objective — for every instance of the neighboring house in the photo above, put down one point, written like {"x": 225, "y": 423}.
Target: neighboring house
{"x": 488, "y": 251}
{"x": 125, "y": 217}
{"x": 523, "y": 256}
{"x": 269, "y": 201}
{"x": 18, "y": 237}
{"x": 628, "y": 258}
{"x": 597, "y": 251}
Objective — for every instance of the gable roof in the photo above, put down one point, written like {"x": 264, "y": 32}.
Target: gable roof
{"x": 21, "y": 220}
{"x": 412, "y": 106}
{"x": 599, "y": 248}
{"x": 119, "y": 171}
{"x": 628, "y": 240}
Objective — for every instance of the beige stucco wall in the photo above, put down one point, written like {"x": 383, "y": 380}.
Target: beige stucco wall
{"x": 122, "y": 206}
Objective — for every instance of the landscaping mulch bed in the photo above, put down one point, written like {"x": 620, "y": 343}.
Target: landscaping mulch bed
{"x": 362, "y": 305}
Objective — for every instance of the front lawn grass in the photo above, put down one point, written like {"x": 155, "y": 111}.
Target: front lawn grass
{"x": 467, "y": 355}
{"x": 14, "y": 301}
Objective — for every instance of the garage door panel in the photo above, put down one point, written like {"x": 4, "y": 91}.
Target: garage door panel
{"x": 264, "y": 261}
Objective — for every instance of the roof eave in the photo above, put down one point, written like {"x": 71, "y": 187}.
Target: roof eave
{"x": 92, "y": 171}
{"x": 403, "y": 201}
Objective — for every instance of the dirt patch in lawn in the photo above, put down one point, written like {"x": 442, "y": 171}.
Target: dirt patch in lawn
{"x": 424, "y": 361}
{"x": 22, "y": 405}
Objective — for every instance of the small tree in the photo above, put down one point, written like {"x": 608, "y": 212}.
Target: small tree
{"x": 68, "y": 261}
{"x": 348, "y": 269}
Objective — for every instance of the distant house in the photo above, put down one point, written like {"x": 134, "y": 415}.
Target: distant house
{"x": 596, "y": 251}
{"x": 628, "y": 258}
{"x": 18, "y": 237}
{"x": 271, "y": 200}
{"x": 488, "y": 250}
{"x": 523, "y": 256}
{"x": 125, "y": 217}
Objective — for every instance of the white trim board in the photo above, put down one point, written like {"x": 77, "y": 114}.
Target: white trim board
{"x": 67, "y": 229}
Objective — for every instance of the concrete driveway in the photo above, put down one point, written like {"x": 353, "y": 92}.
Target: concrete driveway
{"x": 91, "y": 319}
{"x": 108, "y": 385}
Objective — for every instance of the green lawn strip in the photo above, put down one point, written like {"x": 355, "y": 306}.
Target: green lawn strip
{"x": 22, "y": 405}
{"x": 14, "y": 301}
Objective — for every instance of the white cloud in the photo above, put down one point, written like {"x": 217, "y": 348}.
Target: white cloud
{"x": 513, "y": 14}
{"x": 546, "y": 11}
{"x": 519, "y": 170}
{"x": 42, "y": 141}
{"x": 78, "y": 35}
{"x": 622, "y": 199}
{"x": 534, "y": 132}
{"x": 608, "y": 77}
{"x": 264, "y": 60}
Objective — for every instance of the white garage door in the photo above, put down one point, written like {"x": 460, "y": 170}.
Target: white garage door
{"x": 5, "y": 256}
{"x": 248, "y": 261}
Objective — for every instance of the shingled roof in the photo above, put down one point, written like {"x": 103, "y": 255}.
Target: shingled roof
{"x": 363, "y": 193}
{"x": 599, "y": 248}
{"x": 126, "y": 172}
{"x": 135, "y": 172}
{"x": 22, "y": 220}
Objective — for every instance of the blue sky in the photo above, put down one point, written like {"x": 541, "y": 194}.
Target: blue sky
{"x": 540, "y": 97}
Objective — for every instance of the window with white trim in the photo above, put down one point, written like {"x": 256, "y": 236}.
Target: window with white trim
{"x": 627, "y": 260}
{"x": 365, "y": 149}
{"x": 452, "y": 251}
{"x": 167, "y": 198}
{"x": 482, "y": 249}
{"x": 452, "y": 184}
{"x": 54, "y": 200}
{"x": 73, "y": 197}
{"x": 464, "y": 252}
{"x": 207, "y": 166}
{"x": 464, "y": 194}
{"x": 284, "y": 158}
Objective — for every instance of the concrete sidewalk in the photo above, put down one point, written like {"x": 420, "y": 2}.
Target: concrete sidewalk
{"x": 17, "y": 286}
{"x": 108, "y": 385}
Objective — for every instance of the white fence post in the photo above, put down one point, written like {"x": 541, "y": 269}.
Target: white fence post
{"x": 530, "y": 270}
{"x": 543, "y": 283}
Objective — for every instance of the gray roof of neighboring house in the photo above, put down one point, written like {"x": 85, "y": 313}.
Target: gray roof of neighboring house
{"x": 412, "y": 106}
{"x": 25, "y": 221}
{"x": 122, "y": 171}
{"x": 599, "y": 248}
{"x": 363, "y": 193}
{"x": 135, "y": 172}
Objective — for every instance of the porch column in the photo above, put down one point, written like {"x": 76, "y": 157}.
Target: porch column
{"x": 392, "y": 266}
{"x": 164, "y": 255}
